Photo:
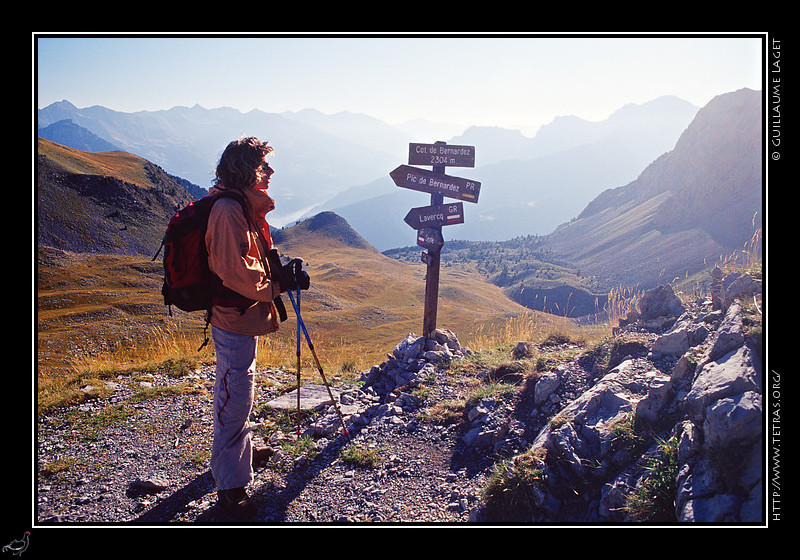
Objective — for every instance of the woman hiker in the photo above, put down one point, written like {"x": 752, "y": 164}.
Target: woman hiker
{"x": 244, "y": 309}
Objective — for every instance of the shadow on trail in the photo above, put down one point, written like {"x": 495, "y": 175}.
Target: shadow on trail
{"x": 165, "y": 511}
{"x": 272, "y": 502}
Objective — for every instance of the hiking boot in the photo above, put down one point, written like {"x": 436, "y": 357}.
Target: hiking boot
{"x": 237, "y": 503}
{"x": 261, "y": 455}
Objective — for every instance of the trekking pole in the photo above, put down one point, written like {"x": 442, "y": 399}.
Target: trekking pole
{"x": 298, "y": 360}
{"x": 316, "y": 361}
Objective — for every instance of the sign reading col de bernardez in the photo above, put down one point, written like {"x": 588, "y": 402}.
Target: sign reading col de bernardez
{"x": 441, "y": 154}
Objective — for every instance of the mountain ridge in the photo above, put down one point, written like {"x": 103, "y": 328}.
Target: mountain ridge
{"x": 629, "y": 224}
{"x": 698, "y": 202}
{"x": 328, "y": 224}
{"x": 109, "y": 202}
{"x": 532, "y": 190}
{"x": 646, "y": 232}
{"x": 320, "y": 157}
{"x": 76, "y": 136}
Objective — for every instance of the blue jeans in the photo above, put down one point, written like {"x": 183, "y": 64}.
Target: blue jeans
{"x": 231, "y": 452}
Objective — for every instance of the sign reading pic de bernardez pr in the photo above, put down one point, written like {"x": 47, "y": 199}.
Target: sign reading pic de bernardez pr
{"x": 429, "y": 220}
{"x": 436, "y": 183}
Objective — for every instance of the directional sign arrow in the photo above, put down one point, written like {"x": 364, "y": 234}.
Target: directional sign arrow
{"x": 436, "y": 216}
{"x": 427, "y": 181}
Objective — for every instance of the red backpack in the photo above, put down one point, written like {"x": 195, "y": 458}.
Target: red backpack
{"x": 189, "y": 284}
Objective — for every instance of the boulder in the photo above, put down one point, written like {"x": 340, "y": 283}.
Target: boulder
{"x": 651, "y": 409}
{"x": 738, "y": 285}
{"x": 312, "y": 397}
{"x": 581, "y": 436}
{"x": 729, "y": 335}
{"x": 660, "y": 302}
{"x": 545, "y": 386}
{"x": 521, "y": 350}
{"x": 673, "y": 343}
{"x": 735, "y": 373}
{"x": 150, "y": 484}
{"x": 733, "y": 421}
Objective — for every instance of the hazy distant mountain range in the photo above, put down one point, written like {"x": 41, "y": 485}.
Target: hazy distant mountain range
{"x": 342, "y": 162}
{"x": 530, "y": 185}
{"x": 692, "y": 205}
{"x": 696, "y": 206}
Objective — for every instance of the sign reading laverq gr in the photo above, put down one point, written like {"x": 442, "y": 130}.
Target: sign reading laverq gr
{"x": 435, "y": 216}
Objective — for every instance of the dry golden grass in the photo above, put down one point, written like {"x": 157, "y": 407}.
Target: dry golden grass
{"x": 105, "y": 313}
{"x": 101, "y": 313}
{"x": 123, "y": 165}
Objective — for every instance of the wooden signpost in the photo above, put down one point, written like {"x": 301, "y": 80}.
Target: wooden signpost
{"x": 429, "y": 220}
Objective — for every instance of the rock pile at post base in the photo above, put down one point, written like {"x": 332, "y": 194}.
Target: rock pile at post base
{"x": 385, "y": 386}
{"x": 412, "y": 360}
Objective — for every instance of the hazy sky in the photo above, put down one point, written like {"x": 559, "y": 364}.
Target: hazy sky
{"x": 519, "y": 82}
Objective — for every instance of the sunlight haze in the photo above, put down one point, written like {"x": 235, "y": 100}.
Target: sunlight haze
{"x": 512, "y": 82}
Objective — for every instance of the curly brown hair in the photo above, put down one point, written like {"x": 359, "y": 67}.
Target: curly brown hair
{"x": 242, "y": 163}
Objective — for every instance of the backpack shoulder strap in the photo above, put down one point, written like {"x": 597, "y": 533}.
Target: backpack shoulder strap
{"x": 235, "y": 195}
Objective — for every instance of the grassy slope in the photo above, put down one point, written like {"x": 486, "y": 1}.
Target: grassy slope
{"x": 360, "y": 305}
{"x": 91, "y": 304}
{"x": 110, "y": 202}
{"x": 124, "y": 166}
{"x": 97, "y": 308}
{"x": 362, "y": 296}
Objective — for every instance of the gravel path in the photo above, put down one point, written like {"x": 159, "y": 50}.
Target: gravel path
{"x": 124, "y": 459}
{"x": 115, "y": 460}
